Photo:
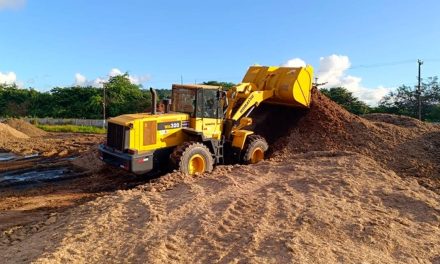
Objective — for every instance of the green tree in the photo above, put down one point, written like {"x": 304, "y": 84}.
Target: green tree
{"x": 434, "y": 114}
{"x": 14, "y": 102}
{"x": 42, "y": 104}
{"x": 123, "y": 97}
{"x": 225, "y": 85}
{"x": 76, "y": 102}
{"x": 163, "y": 93}
{"x": 404, "y": 101}
{"x": 346, "y": 99}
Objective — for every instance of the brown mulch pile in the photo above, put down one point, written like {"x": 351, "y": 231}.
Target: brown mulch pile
{"x": 25, "y": 127}
{"x": 7, "y": 132}
{"x": 406, "y": 145}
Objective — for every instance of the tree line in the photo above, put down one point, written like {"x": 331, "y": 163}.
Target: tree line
{"x": 402, "y": 101}
{"x": 121, "y": 97}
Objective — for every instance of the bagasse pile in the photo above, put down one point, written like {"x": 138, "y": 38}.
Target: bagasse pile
{"x": 403, "y": 144}
{"x": 22, "y": 138}
{"x": 25, "y": 127}
{"x": 403, "y": 121}
{"x": 7, "y": 132}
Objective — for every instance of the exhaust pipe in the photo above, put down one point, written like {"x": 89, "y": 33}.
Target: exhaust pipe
{"x": 167, "y": 103}
{"x": 153, "y": 101}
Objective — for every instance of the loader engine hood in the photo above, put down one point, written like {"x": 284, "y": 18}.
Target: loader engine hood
{"x": 126, "y": 120}
{"x": 142, "y": 132}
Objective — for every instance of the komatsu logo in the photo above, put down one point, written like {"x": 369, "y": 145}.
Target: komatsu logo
{"x": 245, "y": 105}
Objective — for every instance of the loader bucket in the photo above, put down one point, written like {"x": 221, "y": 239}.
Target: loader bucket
{"x": 292, "y": 86}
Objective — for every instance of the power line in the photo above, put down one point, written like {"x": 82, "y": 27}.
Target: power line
{"x": 354, "y": 67}
{"x": 382, "y": 64}
{"x": 393, "y": 63}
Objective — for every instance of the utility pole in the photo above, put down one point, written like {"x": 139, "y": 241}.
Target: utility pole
{"x": 316, "y": 84}
{"x": 103, "y": 106}
{"x": 419, "y": 92}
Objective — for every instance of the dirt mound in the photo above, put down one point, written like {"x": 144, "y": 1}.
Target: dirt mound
{"x": 398, "y": 120}
{"x": 323, "y": 207}
{"x": 89, "y": 160}
{"x": 25, "y": 127}
{"x": 7, "y": 133}
{"x": 408, "y": 146}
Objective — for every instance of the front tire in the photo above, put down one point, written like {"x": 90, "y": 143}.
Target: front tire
{"x": 192, "y": 158}
{"x": 254, "y": 149}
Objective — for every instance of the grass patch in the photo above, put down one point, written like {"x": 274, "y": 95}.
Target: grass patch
{"x": 73, "y": 129}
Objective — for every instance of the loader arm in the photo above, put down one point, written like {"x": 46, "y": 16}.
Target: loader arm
{"x": 242, "y": 99}
{"x": 251, "y": 98}
{"x": 289, "y": 86}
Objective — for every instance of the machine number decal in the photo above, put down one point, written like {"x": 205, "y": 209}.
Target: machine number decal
{"x": 168, "y": 125}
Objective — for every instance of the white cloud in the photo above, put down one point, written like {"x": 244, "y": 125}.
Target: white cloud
{"x": 8, "y": 78}
{"x": 12, "y": 4}
{"x": 332, "y": 70}
{"x": 81, "y": 80}
{"x": 133, "y": 78}
{"x": 139, "y": 79}
{"x": 98, "y": 82}
{"x": 114, "y": 72}
{"x": 295, "y": 62}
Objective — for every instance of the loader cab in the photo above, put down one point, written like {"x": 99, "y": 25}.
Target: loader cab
{"x": 203, "y": 103}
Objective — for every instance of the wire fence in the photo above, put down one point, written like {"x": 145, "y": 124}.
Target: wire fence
{"x": 66, "y": 121}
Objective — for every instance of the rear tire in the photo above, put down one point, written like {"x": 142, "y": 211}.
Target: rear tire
{"x": 254, "y": 149}
{"x": 192, "y": 158}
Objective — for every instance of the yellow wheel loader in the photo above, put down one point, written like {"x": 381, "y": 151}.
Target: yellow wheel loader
{"x": 204, "y": 125}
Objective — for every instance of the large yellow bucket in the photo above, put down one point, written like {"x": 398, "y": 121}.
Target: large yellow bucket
{"x": 291, "y": 86}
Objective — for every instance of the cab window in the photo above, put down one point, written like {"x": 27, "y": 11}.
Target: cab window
{"x": 184, "y": 100}
{"x": 207, "y": 103}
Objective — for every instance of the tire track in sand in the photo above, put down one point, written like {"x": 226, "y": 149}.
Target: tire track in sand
{"x": 227, "y": 231}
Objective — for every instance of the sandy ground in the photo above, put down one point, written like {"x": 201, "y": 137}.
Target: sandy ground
{"x": 52, "y": 144}
{"x": 320, "y": 207}
{"x": 7, "y": 132}
{"x": 24, "y": 206}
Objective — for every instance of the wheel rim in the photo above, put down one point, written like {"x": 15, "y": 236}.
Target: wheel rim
{"x": 196, "y": 164}
{"x": 257, "y": 155}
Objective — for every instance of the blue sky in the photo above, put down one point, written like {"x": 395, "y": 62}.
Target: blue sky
{"x": 46, "y": 43}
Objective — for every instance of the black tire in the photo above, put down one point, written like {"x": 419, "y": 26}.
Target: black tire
{"x": 254, "y": 149}
{"x": 192, "y": 158}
